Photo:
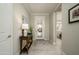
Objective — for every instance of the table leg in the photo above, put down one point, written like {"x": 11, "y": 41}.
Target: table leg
{"x": 20, "y": 46}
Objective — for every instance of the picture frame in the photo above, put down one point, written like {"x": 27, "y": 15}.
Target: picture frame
{"x": 73, "y": 14}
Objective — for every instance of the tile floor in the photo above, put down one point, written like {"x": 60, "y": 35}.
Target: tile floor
{"x": 42, "y": 47}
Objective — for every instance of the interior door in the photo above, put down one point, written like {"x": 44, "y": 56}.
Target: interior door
{"x": 5, "y": 29}
{"x": 39, "y": 27}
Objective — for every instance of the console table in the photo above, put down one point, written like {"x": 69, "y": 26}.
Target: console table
{"x": 28, "y": 40}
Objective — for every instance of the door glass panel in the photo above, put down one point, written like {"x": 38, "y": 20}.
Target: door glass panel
{"x": 39, "y": 27}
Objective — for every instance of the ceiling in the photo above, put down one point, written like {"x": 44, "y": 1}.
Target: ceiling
{"x": 41, "y": 7}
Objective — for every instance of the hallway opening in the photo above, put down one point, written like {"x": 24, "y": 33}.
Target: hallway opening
{"x": 46, "y": 28}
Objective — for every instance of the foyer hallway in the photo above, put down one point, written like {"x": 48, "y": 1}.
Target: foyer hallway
{"x": 50, "y": 15}
{"x": 44, "y": 47}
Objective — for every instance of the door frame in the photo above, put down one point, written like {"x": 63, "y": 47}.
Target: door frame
{"x": 54, "y": 24}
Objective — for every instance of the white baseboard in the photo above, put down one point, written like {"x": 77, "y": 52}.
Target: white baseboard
{"x": 17, "y": 53}
{"x": 63, "y": 53}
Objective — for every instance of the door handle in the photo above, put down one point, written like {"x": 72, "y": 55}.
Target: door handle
{"x": 9, "y": 36}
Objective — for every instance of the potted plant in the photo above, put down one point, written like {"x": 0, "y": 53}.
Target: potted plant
{"x": 30, "y": 31}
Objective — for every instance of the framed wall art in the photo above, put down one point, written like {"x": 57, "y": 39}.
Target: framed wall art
{"x": 73, "y": 14}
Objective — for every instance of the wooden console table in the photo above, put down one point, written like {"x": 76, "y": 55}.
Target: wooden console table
{"x": 28, "y": 40}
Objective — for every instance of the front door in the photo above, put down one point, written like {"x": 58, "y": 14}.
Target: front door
{"x": 39, "y": 27}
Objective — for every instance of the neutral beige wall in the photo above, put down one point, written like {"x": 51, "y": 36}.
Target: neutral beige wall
{"x": 46, "y": 24}
{"x": 51, "y": 28}
{"x": 19, "y": 11}
{"x": 54, "y": 27}
{"x": 47, "y": 28}
{"x": 70, "y": 38}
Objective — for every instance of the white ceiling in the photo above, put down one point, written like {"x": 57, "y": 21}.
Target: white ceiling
{"x": 41, "y": 7}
